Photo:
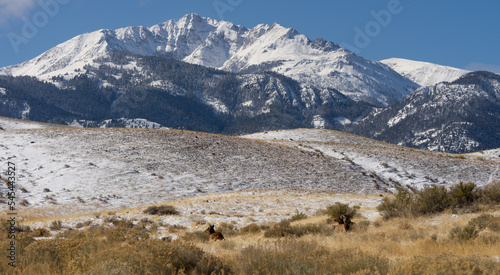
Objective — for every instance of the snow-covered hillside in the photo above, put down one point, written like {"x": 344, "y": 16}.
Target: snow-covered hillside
{"x": 96, "y": 169}
{"x": 424, "y": 73}
{"x": 226, "y": 46}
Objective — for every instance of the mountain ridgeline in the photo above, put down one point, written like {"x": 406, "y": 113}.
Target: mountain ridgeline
{"x": 214, "y": 76}
{"x": 176, "y": 94}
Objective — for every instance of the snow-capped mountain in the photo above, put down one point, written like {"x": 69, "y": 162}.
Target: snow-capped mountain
{"x": 207, "y": 75}
{"x": 424, "y": 73}
{"x": 462, "y": 116}
{"x": 226, "y": 46}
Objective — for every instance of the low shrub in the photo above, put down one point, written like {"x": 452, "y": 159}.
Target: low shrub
{"x": 405, "y": 226}
{"x": 398, "y": 206}
{"x": 463, "y": 194}
{"x": 446, "y": 264}
{"x": 251, "y": 229}
{"x": 482, "y": 221}
{"x": 125, "y": 223}
{"x": 40, "y": 232}
{"x": 434, "y": 199}
{"x": 490, "y": 239}
{"x": 298, "y": 216}
{"x": 95, "y": 251}
{"x": 278, "y": 230}
{"x": 56, "y": 225}
{"x": 23, "y": 228}
{"x": 227, "y": 229}
{"x": 339, "y": 209}
{"x": 110, "y": 219}
{"x": 463, "y": 233}
{"x": 473, "y": 228}
{"x": 161, "y": 210}
{"x": 494, "y": 226}
{"x": 490, "y": 194}
{"x": 361, "y": 226}
{"x": 431, "y": 199}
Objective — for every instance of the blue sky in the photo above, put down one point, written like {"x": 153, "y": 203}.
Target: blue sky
{"x": 459, "y": 33}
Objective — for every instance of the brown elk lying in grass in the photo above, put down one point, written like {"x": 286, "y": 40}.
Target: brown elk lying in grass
{"x": 345, "y": 224}
{"x": 214, "y": 235}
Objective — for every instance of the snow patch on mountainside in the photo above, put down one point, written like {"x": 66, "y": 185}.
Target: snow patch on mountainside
{"x": 424, "y": 73}
{"x": 343, "y": 120}
{"x": 402, "y": 114}
{"x": 318, "y": 122}
{"x": 120, "y": 122}
{"x": 168, "y": 86}
{"x": 218, "y": 106}
{"x": 25, "y": 113}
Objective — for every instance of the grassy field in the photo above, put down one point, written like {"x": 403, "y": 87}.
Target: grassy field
{"x": 298, "y": 244}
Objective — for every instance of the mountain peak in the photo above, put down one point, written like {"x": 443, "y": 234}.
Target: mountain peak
{"x": 192, "y": 19}
{"x": 192, "y": 16}
{"x": 424, "y": 73}
{"x": 226, "y": 46}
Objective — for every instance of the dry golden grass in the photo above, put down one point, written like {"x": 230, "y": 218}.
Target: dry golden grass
{"x": 420, "y": 245}
{"x": 400, "y": 237}
{"x": 398, "y": 246}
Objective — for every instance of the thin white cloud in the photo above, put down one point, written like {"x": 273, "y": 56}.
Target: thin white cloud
{"x": 143, "y": 3}
{"x": 14, "y": 9}
{"x": 475, "y": 66}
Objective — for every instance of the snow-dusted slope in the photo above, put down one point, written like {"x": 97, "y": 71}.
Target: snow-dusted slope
{"x": 72, "y": 171}
{"x": 424, "y": 73}
{"x": 17, "y": 124}
{"x": 493, "y": 154}
{"x": 394, "y": 165}
{"x": 63, "y": 58}
{"x": 86, "y": 170}
{"x": 226, "y": 46}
